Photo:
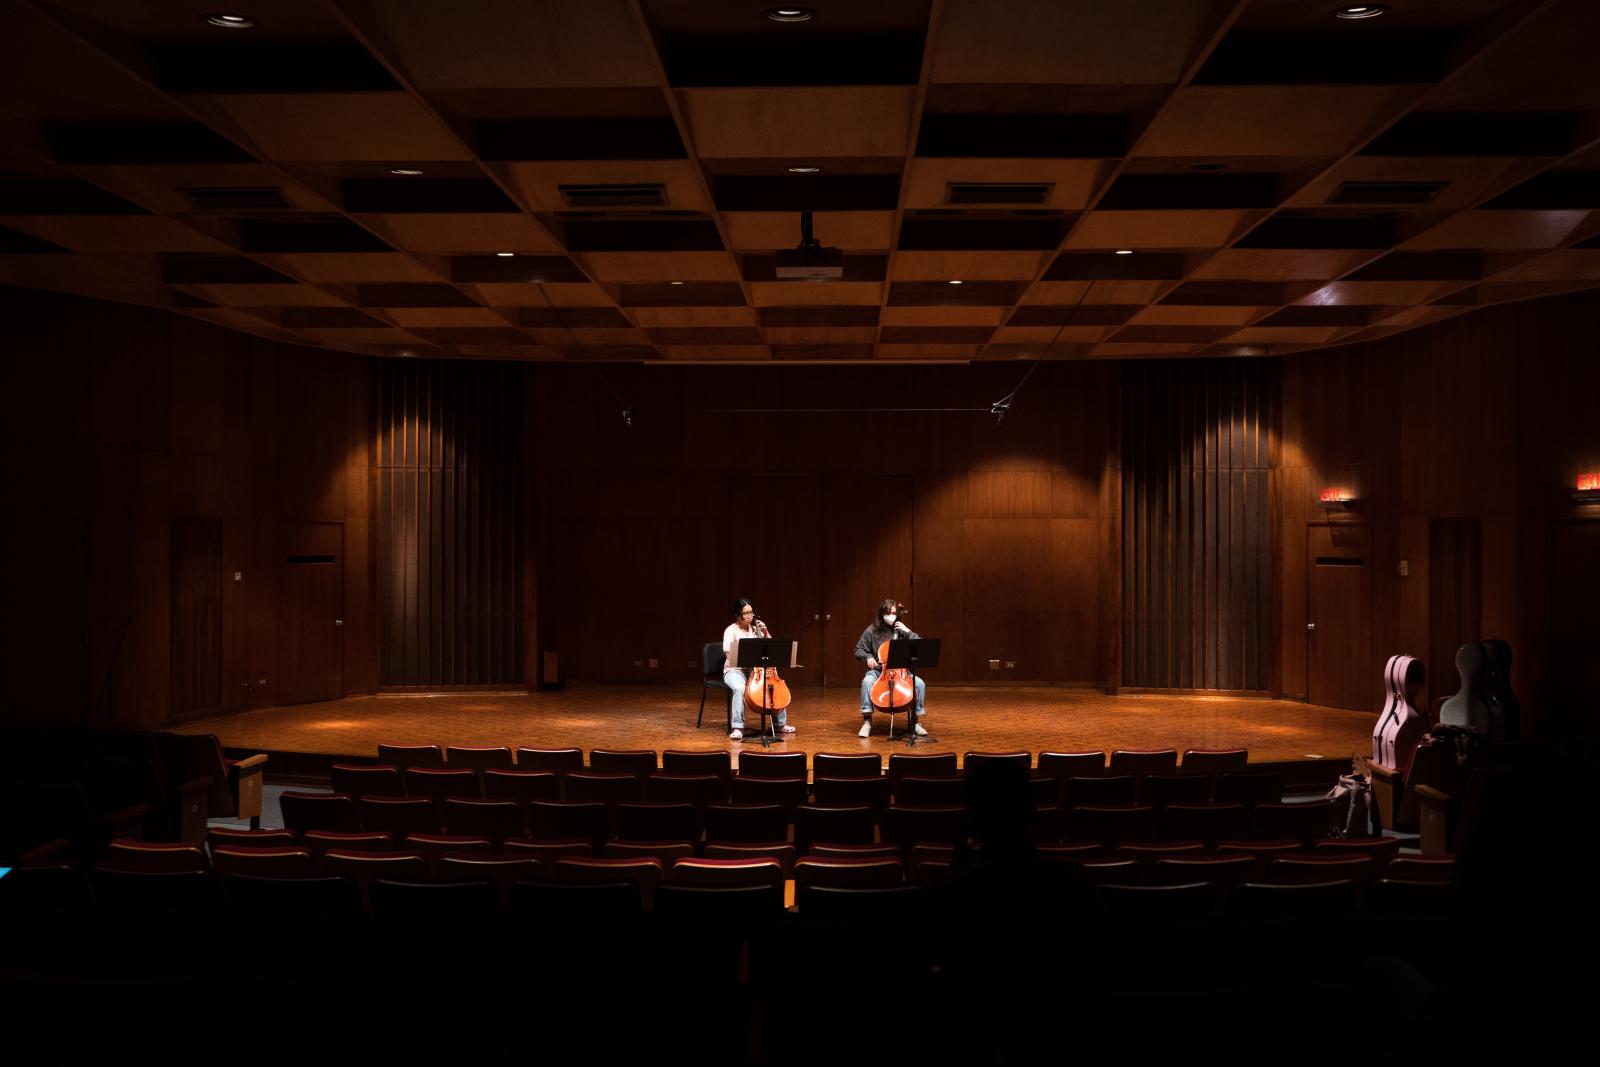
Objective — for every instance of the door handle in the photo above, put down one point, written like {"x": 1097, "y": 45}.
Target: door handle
{"x": 338, "y": 622}
{"x": 827, "y": 618}
{"x": 814, "y": 618}
{"x": 1311, "y": 626}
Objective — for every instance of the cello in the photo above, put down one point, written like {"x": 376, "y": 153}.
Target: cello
{"x": 765, "y": 689}
{"x": 894, "y": 689}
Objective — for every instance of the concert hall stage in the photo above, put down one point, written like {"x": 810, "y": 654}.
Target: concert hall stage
{"x": 961, "y": 719}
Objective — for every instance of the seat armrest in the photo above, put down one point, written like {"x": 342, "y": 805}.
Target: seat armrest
{"x": 194, "y": 807}
{"x": 246, "y": 777}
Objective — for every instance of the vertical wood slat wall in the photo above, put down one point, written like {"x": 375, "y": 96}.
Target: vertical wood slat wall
{"x": 451, "y": 477}
{"x": 1196, "y": 453}
{"x": 196, "y": 644}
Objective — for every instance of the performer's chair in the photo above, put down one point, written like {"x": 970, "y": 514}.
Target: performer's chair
{"x": 711, "y": 661}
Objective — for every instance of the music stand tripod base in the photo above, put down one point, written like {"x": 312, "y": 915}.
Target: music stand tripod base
{"x": 766, "y": 735}
{"x": 909, "y": 735}
{"x": 911, "y": 653}
{"x": 757, "y": 652}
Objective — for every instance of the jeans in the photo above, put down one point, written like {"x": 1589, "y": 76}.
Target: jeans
{"x": 735, "y": 680}
{"x": 866, "y": 694}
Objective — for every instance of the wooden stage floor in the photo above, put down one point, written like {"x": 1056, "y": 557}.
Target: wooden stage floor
{"x": 660, "y": 717}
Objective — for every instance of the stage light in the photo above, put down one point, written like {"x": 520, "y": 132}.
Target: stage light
{"x": 224, "y": 21}
{"x": 804, "y": 170}
{"x": 405, "y": 172}
{"x": 790, "y": 14}
{"x": 1360, "y": 11}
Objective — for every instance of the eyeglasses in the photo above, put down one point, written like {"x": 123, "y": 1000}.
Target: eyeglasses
{"x": 747, "y": 611}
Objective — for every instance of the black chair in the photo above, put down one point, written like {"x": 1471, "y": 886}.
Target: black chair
{"x": 711, "y": 661}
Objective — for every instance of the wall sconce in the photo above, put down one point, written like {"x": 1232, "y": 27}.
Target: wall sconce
{"x": 1588, "y": 491}
{"x": 1335, "y": 498}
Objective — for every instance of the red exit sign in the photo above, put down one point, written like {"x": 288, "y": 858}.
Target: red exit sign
{"x": 1588, "y": 483}
{"x": 1333, "y": 496}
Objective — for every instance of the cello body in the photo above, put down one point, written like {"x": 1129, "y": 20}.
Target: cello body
{"x": 894, "y": 688}
{"x": 755, "y": 690}
{"x": 756, "y": 693}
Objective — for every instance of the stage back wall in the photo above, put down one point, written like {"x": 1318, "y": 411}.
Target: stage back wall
{"x": 150, "y": 449}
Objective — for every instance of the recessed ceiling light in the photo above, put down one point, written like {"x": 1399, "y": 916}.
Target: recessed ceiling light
{"x": 1360, "y": 11}
{"x": 790, "y": 14}
{"x": 505, "y": 253}
{"x": 405, "y": 171}
{"x": 955, "y": 281}
{"x": 804, "y": 170}
{"x": 674, "y": 283}
{"x": 225, "y": 21}
{"x": 1124, "y": 251}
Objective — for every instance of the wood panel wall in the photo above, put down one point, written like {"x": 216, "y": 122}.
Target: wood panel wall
{"x": 1004, "y": 539}
{"x": 1196, "y": 454}
{"x": 995, "y": 534}
{"x": 197, "y": 582}
{"x": 126, "y": 421}
{"x": 451, "y": 538}
{"x": 1455, "y": 594}
{"x": 1487, "y": 417}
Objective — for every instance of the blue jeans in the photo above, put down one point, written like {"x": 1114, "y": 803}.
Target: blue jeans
{"x": 866, "y": 694}
{"x": 735, "y": 680}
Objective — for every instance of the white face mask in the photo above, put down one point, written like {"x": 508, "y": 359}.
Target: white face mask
{"x": 888, "y": 620}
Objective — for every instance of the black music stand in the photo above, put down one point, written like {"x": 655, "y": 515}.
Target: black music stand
{"x": 758, "y": 652}
{"x": 910, "y": 653}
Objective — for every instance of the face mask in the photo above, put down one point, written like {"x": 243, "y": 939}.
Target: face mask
{"x": 888, "y": 620}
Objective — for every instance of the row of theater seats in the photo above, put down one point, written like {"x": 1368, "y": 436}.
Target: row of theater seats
{"x": 378, "y": 876}
{"x": 281, "y": 852}
{"x": 703, "y": 777}
{"x": 1076, "y": 764}
{"x": 64, "y": 793}
{"x": 797, "y": 819}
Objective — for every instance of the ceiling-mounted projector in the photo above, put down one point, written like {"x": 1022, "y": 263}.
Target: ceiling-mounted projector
{"x": 809, "y": 259}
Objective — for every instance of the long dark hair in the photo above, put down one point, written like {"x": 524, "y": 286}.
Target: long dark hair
{"x": 738, "y": 608}
{"x": 888, "y": 604}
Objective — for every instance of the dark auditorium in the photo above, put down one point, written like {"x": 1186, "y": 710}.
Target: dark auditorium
{"x": 889, "y": 532}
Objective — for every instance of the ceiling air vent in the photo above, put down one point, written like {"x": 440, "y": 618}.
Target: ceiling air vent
{"x": 1386, "y": 192}
{"x": 647, "y": 194}
{"x": 998, "y": 192}
{"x": 236, "y": 199}
{"x": 249, "y": 198}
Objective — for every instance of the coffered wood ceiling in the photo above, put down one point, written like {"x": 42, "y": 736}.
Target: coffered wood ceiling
{"x": 1278, "y": 179}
